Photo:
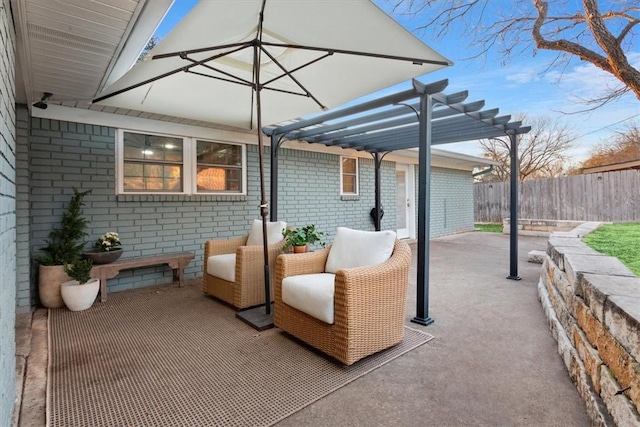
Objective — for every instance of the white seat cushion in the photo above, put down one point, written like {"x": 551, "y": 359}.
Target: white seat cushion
{"x": 356, "y": 248}
{"x": 274, "y": 232}
{"x": 222, "y": 266}
{"x": 311, "y": 294}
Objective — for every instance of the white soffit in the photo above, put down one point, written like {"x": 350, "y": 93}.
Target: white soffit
{"x": 69, "y": 47}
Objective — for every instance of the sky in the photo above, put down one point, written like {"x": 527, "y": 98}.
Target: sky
{"x": 523, "y": 84}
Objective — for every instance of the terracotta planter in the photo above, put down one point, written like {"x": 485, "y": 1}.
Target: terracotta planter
{"x": 300, "y": 249}
{"x": 79, "y": 297}
{"x": 50, "y": 277}
{"x": 103, "y": 257}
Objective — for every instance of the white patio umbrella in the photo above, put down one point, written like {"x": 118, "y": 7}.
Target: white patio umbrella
{"x": 250, "y": 62}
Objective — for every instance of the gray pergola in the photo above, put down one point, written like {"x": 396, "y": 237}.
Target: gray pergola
{"x": 416, "y": 118}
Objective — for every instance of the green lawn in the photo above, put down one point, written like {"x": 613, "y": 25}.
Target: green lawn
{"x": 619, "y": 240}
{"x": 489, "y": 227}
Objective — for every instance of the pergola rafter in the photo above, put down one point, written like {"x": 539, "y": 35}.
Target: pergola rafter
{"x": 416, "y": 118}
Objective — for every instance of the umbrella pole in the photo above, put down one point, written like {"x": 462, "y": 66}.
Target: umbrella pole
{"x": 264, "y": 206}
{"x": 258, "y": 318}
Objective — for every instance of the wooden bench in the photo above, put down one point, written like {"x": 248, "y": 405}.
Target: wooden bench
{"x": 178, "y": 261}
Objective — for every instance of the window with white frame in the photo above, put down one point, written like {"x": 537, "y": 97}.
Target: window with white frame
{"x": 348, "y": 176}
{"x": 154, "y": 163}
{"x": 220, "y": 167}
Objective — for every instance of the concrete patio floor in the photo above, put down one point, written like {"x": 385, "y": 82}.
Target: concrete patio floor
{"x": 493, "y": 361}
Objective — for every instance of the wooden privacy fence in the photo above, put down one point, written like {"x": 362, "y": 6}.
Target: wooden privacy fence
{"x": 609, "y": 196}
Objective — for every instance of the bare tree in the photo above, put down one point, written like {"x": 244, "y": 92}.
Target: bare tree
{"x": 624, "y": 147}
{"x": 572, "y": 28}
{"x": 153, "y": 41}
{"x": 541, "y": 152}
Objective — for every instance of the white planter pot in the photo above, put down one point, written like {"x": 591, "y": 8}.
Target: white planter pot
{"x": 80, "y": 297}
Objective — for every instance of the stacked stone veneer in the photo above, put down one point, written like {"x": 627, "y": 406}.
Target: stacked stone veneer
{"x": 592, "y": 302}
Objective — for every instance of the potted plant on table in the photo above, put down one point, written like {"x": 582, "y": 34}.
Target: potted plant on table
{"x": 64, "y": 245}
{"x": 107, "y": 249}
{"x": 80, "y": 293}
{"x": 300, "y": 238}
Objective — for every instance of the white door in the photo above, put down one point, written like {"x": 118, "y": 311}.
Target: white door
{"x": 404, "y": 201}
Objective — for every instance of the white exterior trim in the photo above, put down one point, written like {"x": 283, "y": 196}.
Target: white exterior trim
{"x": 148, "y": 16}
{"x": 357, "y": 192}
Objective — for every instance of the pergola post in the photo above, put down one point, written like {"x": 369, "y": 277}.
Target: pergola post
{"x": 513, "y": 226}
{"x": 424, "y": 207}
{"x": 377, "y": 159}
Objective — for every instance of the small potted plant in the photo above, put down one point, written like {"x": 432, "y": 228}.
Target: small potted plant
{"x": 64, "y": 245}
{"x": 107, "y": 249}
{"x": 80, "y": 293}
{"x": 300, "y": 238}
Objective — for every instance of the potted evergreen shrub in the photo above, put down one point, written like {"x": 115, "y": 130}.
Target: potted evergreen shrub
{"x": 300, "y": 238}
{"x": 80, "y": 293}
{"x": 64, "y": 245}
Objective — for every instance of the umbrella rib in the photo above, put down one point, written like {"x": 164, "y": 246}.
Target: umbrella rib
{"x": 242, "y": 83}
{"x": 245, "y": 84}
{"x": 298, "y": 68}
{"x": 202, "y": 49}
{"x": 296, "y": 81}
{"x": 418, "y": 61}
{"x": 170, "y": 73}
{"x": 286, "y": 91}
{"x": 239, "y": 79}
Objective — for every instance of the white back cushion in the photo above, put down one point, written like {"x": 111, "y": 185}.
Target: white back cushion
{"x": 356, "y": 248}
{"x": 311, "y": 294}
{"x": 274, "y": 232}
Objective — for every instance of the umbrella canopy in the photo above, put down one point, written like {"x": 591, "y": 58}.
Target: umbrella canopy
{"x": 334, "y": 52}
{"x": 245, "y": 63}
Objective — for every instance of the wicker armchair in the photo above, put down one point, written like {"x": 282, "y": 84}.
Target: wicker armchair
{"x": 369, "y": 304}
{"x": 247, "y": 290}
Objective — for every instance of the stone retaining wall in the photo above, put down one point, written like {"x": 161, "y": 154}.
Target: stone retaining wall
{"x": 592, "y": 302}
{"x": 539, "y": 227}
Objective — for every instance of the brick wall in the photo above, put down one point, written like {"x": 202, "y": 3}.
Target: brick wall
{"x": 66, "y": 154}
{"x": 26, "y": 290}
{"x": 451, "y": 201}
{"x": 592, "y": 302}
{"x": 63, "y": 155}
{"x": 7, "y": 215}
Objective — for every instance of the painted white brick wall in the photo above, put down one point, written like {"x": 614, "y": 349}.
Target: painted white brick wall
{"x": 7, "y": 215}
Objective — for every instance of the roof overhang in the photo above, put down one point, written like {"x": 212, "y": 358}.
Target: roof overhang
{"x": 73, "y": 49}
{"x": 634, "y": 164}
